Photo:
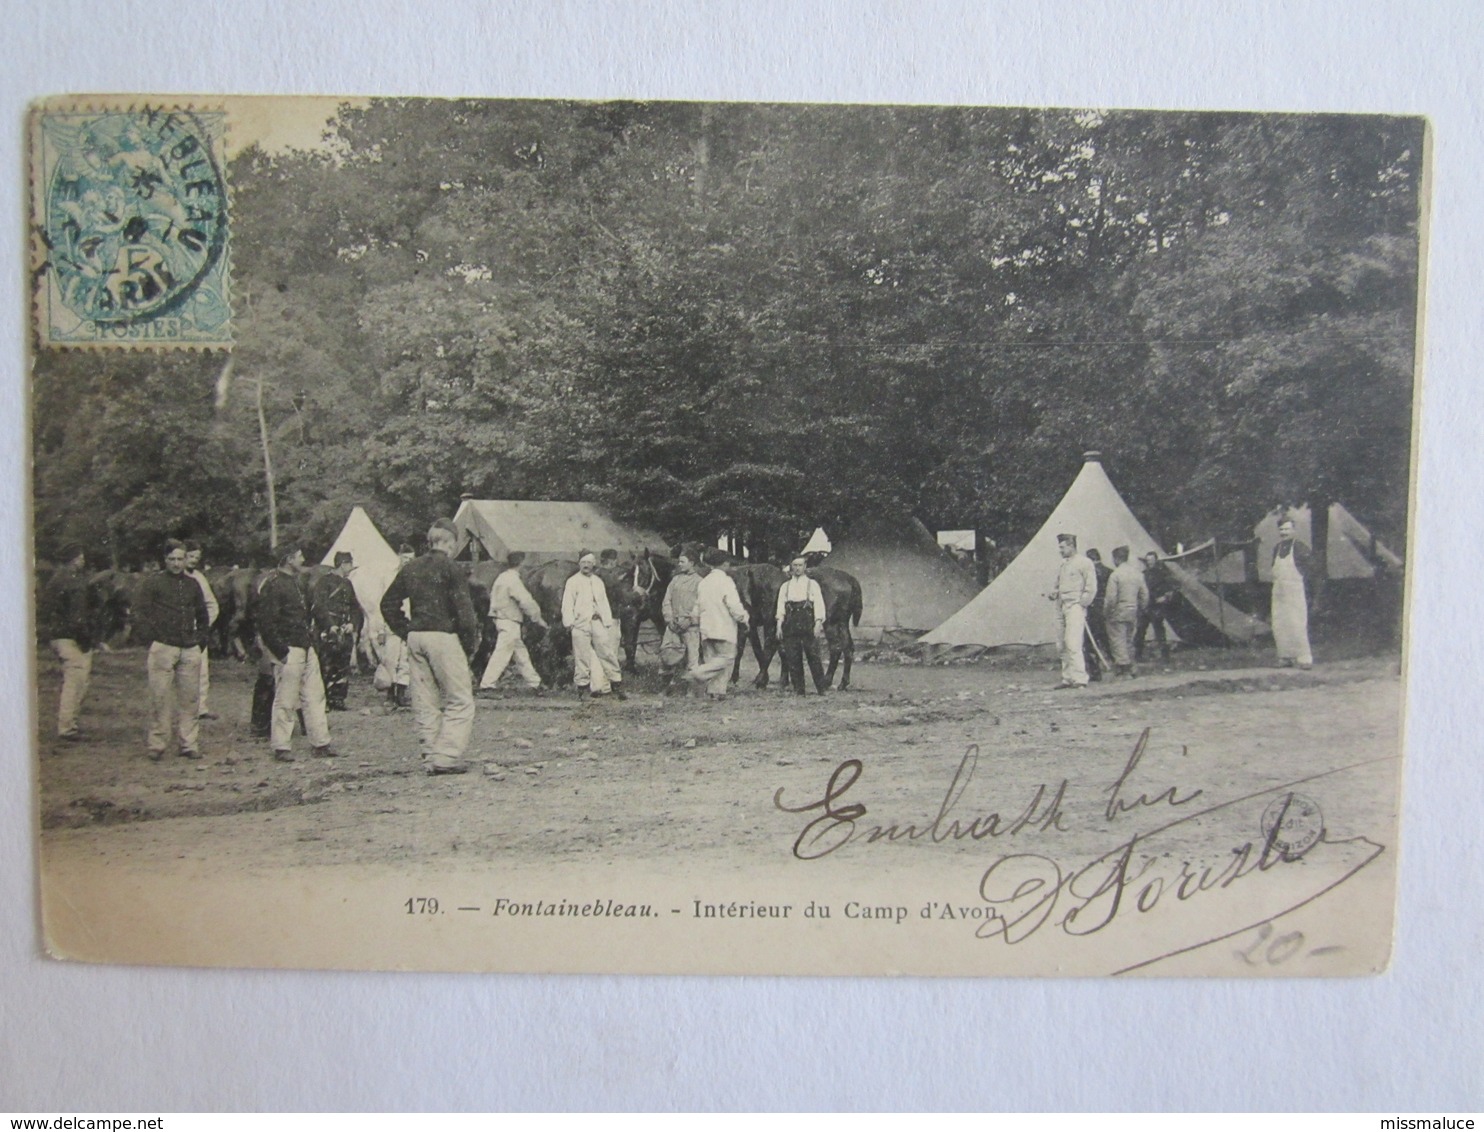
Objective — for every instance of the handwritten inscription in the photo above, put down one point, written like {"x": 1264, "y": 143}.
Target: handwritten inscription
{"x": 1149, "y": 870}
{"x": 1116, "y": 804}
{"x": 839, "y": 824}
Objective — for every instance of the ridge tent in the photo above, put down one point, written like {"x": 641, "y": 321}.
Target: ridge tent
{"x": 1014, "y": 610}
{"x": 957, "y": 540}
{"x": 908, "y": 582}
{"x": 819, "y": 543}
{"x": 1352, "y": 551}
{"x": 376, "y": 562}
{"x": 546, "y": 530}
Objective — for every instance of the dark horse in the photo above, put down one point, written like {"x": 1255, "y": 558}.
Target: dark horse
{"x": 758, "y": 585}
{"x": 636, "y": 592}
{"x": 843, "y": 605}
{"x": 111, "y": 596}
{"x": 234, "y": 629}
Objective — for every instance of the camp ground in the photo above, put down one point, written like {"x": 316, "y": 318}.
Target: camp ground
{"x": 1014, "y": 608}
{"x": 757, "y": 329}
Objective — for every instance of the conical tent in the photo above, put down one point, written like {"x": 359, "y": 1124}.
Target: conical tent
{"x": 1352, "y": 551}
{"x": 376, "y": 562}
{"x": 819, "y": 543}
{"x": 908, "y": 582}
{"x": 1015, "y": 610}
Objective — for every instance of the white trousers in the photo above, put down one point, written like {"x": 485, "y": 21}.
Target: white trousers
{"x": 683, "y": 648}
{"x": 174, "y": 684}
{"x": 297, "y": 684}
{"x": 508, "y": 647}
{"x": 1121, "y": 641}
{"x": 77, "y": 671}
{"x": 596, "y": 661}
{"x": 1073, "y": 629}
{"x": 205, "y": 685}
{"x": 716, "y": 669}
{"x": 442, "y": 696}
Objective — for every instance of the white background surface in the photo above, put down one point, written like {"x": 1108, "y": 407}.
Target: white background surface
{"x": 87, "y": 1038}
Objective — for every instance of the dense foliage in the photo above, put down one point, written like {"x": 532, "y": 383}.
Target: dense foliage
{"x": 757, "y": 319}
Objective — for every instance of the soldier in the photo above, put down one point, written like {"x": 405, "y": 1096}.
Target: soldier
{"x": 336, "y": 614}
{"x": 172, "y": 617}
{"x": 284, "y": 628}
{"x": 680, "y": 650}
{"x": 66, "y": 617}
{"x": 800, "y": 620}
{"x": 1123, "y": 604}
{"x": 263, "y": 689}
{"x": 441, "y": 633}
{"x": 720, "y": 611}
{"x": 1076, "y": 586}
{"x": 213, "y": 610}
{"x": 585, "y": 611}
{"x": 1096, "y": 645}
{"x": 1161, "y": 596}
{"x": 394, "y": 651}
{"x": 511, "y": 605}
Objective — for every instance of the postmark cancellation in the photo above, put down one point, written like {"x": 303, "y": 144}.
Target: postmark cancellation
{"x": 130, "y": 226}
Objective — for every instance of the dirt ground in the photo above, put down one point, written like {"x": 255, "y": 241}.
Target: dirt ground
{"x": 657, "y": 779}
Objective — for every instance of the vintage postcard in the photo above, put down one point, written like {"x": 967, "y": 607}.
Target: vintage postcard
{"x": 740, "y": 538}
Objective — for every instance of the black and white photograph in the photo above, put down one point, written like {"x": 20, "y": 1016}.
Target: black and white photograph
{"x": 721, "y": 537}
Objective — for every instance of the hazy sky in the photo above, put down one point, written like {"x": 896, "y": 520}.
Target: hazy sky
{"x": 279, "y": 123}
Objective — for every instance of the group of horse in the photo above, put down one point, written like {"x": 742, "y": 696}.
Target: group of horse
{"x": 636, "y": 592}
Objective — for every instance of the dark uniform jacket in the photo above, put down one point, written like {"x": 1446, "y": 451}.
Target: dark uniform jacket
{"x": 1161, "y": 586}
{"x": 1103, "y": 574}
{"x": 333, "y": 602}
{"x": 66, "y": 612}
{"x": 438, "y": 592}
{"x": 171, "y": 610}
{"x": 282, "y": 614}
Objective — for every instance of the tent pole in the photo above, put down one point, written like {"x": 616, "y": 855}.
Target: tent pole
{"x": 1220, "y": 595}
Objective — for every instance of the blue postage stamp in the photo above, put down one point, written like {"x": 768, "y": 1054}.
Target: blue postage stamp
{"x": 130, "y": 219}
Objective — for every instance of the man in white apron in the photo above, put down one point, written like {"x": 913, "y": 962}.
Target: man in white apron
{"x": 1291, "y": 599}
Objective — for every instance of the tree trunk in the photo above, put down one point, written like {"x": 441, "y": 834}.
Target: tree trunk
{"x": 1319, "y": 552}
{"x": 1319, "y": 531}
{"x": 268, "y": 472}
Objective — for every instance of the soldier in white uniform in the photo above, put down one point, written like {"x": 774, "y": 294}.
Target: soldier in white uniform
{"x": 586, "y": 613}
{"x": 1076, "y": 587}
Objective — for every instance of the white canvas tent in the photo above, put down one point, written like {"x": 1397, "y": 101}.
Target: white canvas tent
{"x": 957, "y": 540}
{"x": 908, "y": 582}
{"x": 819, "y": 543}
{"x": 546, "y": 530}
{"x": 1352, "y": 551}
{"x": 376, "y": 562}
{"x": 1014, "y": 609}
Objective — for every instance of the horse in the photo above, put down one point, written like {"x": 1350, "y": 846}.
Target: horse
{"x": 111, "y": 596}
{"x": 757, "y": 585}
{"x": 631, "y": 587}
{"x": 234, "y": 591}
{"x": 636, "y": 594}
{"x": 550, "y": 648}
{"x": 844, "y": 603}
